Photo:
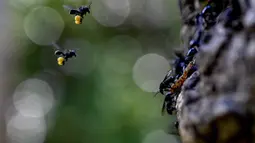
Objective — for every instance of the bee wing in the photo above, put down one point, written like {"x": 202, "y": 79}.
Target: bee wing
{"x": 67, "y": 7}
{"x": 166, "y": 76}
{"x": 169, "y": 73}
{"x": 56, "y": 45}
{"x": 76, "y": 49}
{"x": 59, "y": 53}
{"x": 71, "y": 9}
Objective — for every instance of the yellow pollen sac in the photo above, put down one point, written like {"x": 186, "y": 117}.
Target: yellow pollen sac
{"x": 61, "y": 61}
{"x": 77, "y": 18}
{"x": 61, "y": 64}
{"x": 77, "y": 22}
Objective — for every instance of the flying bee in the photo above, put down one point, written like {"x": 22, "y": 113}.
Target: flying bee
{"x": 79, "y": 13}
{"x": 63, "y": 55}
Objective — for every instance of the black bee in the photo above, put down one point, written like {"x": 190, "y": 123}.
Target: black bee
{"x": 179, "y": 64}
{"x": 172, "y": 75}
{"x": 79, "y": 13}
{"x": 63, "y": 55}
{"x": 166, "y": 86}
{"x": 172, "y": 90}
{"x": 191, "y": 54}
{"x": 169, "y": 104}
{"x": 208, "y": 15}
{"x": 167, "y": 81}
{"x": 170, "y": 86}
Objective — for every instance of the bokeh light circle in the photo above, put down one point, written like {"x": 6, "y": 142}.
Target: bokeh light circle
{"x": 43, "y": 25}
{"x": 149, "y": 71}
{"x": 159, "y": 136}
{"x": 23, "y": 129}
{"x": 33, "y": 98}
{"x": 28, "y": 105}
{"x": 110, "y": 13}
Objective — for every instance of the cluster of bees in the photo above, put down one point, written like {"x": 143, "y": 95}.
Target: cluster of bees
{"x": 79, "y": 13}
{"x": 184, "y": 65}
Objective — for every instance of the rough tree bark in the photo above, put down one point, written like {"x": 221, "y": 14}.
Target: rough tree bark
{"x": 217, "y": 103}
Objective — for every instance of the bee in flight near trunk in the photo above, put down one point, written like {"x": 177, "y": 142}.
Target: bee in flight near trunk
{"x": 78, "y": 13}
{"x": 63, "y": 55}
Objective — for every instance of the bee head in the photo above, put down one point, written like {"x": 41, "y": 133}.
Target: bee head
{"x": 61, "y": 61}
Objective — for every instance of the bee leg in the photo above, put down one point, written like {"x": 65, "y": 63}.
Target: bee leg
{"x": 170, "y": 107}
{"x": 165, "y": 103}
{"x": 176, "y": 124}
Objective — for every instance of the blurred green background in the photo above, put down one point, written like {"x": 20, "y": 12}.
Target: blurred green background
{"x": 105, "y": 95}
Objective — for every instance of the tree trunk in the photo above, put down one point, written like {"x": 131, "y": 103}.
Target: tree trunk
{"x": 216, "y": 104}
